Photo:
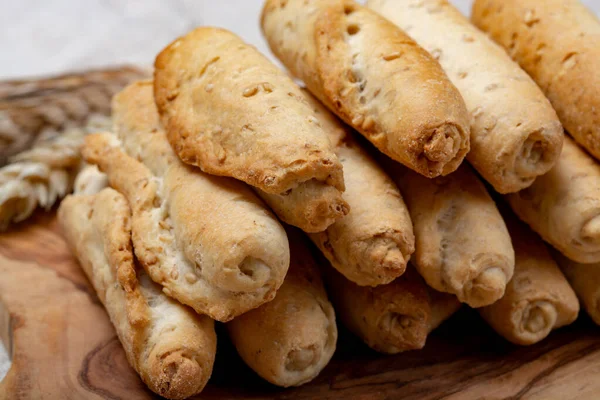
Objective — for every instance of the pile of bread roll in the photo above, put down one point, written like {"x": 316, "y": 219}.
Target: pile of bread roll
{"x": 209, "y": 165}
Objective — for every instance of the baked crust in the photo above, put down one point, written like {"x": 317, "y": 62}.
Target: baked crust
{"x": 462, "y": 245}
{"x": 171, "y": 347}
{"x": 374, "y": 77}
{"x": 228, "y": 110}
{"x": 515, "y": 133}
{"x": 289, "y": 340}
{"x": 182, "y": 222}
{"x": 558, "y": 43}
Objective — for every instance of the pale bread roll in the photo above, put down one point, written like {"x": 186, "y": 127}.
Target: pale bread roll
{"x": 374, "y": 77}
{"x": 515, "y": 133}
{"x": 372, "y": 245}
{"x": 390, "y": 318}
{"x": 558, "y": 43}
{"x": 585, "y": 281}
{"x": 227, "y": 109}
{"x": 538, "y": 299}
{"x": 289, "y": 340}
{"x": 208, "y": 240}
{"x": 563, "y": 206}
{"x": 462, "y": 245}
{"x": 171, "y": 347}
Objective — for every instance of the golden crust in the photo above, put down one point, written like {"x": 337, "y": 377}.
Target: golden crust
{"x": 374, "y": 77}
{"x": 538, "y": 299}
{"x": 515, "y": 133}
{"x": 390, "y": 318}
{"x": 172, "y": 348}
{"x": 371, "y": 245}
{"x": 462, "y": 245}
{"x": 289, "y": 340}
{"x": 183, "y": 220}
{"x": 563, "y": 206}
{"x": 230, "y": 111}
{"x": 558, "y": 43}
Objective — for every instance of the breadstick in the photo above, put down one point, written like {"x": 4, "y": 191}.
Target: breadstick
{"x": 462, "y": 245}
{"x": 585, "y": 281}
{"x": 171, "y": 347}
{"x": 289, "y": 340}
{"x": 182, "y": 222}
{"x": 515, "y": 133}
{"x": 558, "y": 43}
{"x": 374, "y": 77}
{"x": 538, "y": 299}
{"x": 227, "y": 109}
{"x": 563, "y": 206}
{"x": 312, "y": 206}
{"x": 372, "y": 244}
{"x": 390, "y": 318}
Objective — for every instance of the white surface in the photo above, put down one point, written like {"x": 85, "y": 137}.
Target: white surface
{"x": 43, "y": 37}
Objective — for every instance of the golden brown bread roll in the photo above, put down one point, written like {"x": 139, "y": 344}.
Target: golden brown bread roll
{"x": 182, "y": 222}
{"x": 538, "y": 299}
{"x": 558, "y": 43}
{"x": 227, "y": 109}
{"x": 374, "y": 77}
{"x": 515, "y": 133}
{"x": 563, "y": 206}
{"x": 585, "y": 281}
{"x": 289, "y": 340}
{"x": 462, "y": 245}
{"x": 390, "y": 318}
{"x": 371, "y": 245}
{"x": 171, "y": 347}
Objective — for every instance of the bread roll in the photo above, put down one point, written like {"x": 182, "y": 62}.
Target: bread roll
{"x": 227, "y": 109}
{"x": 538, "y": 299}
{"x": 372, "y": 244}
{"x": 585, "y": 281}
{"x": 515, "y": 133}
{"x": 563, "y": 206}
{"x": 462, "y": 245}
{"x": 558, "y": 43}
{"x": 374, "y": 77}
{"x": 390, "y": 318}
{"x": 184, "y": 220}
{"x": 171, "y": 347}
{"x": 289, "y": 340}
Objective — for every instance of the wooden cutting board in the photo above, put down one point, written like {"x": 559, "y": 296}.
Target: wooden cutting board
{"x": 63, "y": 347}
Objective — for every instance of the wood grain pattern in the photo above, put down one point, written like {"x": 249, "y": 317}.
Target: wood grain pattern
{"x": 63, "y": 346}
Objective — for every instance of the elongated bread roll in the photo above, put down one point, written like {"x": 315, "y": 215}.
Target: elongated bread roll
{"x": 585, "y": 281}
{"x": 462, "y": 245}
{"x": 372, "y": 244}
{"x": 538, "y": 299}
{"x": 558, "y": 43}
{"x": 208, "y": 240}
{"x": 390, "y": 318}
{"x": 515, "y": 133}
{"x": 374, "y": 77}
{"x": 227, "y": 109}
{"x": 289, "y": 340}
{"x": 563, "y": 206}
{"x": 171, "y": 347}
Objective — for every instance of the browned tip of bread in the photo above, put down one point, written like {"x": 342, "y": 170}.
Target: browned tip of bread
{"x": 94, "y": 147}
{"x": 537, "y": 320}
{"x": 385, "y": 258}
{"x": 175, "y": 375}
{"x": 493, "y": 272}
{"x": 320, "y": 213}
{"x": 403, "y": 328}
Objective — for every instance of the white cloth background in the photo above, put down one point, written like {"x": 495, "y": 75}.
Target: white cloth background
{"x": 39, "y": 37}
